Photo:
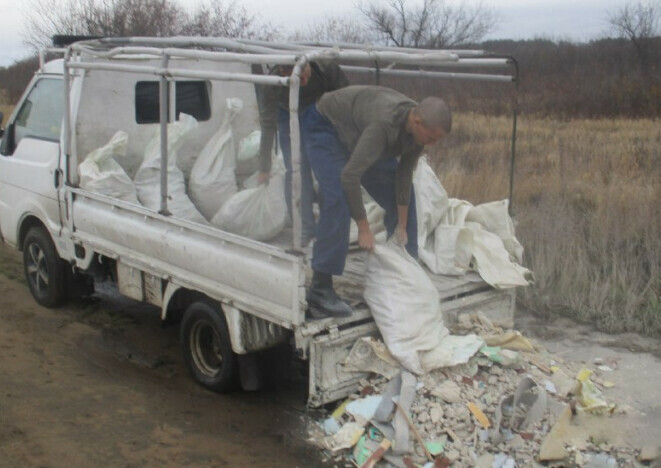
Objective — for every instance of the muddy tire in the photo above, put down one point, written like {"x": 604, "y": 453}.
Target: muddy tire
{"x": 44, "y": 269}
{"x": 207, "y": 348}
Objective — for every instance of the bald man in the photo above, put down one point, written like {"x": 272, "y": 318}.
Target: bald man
{"x": 370, "y": 136}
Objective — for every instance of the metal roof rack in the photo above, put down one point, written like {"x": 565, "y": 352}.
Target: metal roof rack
{"x": 375, "y": 60}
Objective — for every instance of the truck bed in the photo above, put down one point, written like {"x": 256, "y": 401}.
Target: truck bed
{"x": 329, "y": 341}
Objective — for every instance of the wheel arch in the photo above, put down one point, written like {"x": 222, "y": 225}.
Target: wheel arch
{"x": 25, "y": 225}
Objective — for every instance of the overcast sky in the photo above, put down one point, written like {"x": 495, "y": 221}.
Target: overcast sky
{"x": 576, "y": 20}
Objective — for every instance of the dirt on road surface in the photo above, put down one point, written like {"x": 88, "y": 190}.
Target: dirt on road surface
{"x": 101, "y": 383}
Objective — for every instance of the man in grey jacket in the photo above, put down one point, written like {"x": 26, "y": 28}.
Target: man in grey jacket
{"x": 370, "y": 136}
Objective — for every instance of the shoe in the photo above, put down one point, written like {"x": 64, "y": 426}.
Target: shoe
{"x": 324, "y": 302}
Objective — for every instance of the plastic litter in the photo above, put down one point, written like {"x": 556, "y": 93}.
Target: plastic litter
{"x": 589, "y": 397}
{"x": 528, "y": 395}
{"x": 601, "y": 460}
{"x": 363, "y": 410}
{"x": 479, "y": 415}
{"x": 513, "y": 340}
{"x": 346, "y": 437}
{"x": 503, "y": 461}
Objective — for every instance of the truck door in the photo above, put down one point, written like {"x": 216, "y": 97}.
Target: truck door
{"x": 29, "y": 158}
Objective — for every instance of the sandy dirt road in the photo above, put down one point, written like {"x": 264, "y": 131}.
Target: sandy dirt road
{"x": 101, "y": 383}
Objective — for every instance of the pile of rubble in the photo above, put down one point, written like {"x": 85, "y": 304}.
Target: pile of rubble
{"x": 512, "y": 405}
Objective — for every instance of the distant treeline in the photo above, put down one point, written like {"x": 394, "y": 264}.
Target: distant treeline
{"x": 602, "y": 78}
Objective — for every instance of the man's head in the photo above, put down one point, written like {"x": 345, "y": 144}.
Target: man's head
{"x": 429, "y": 121}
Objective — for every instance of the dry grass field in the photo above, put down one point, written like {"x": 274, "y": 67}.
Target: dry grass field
{"x": 587, "y": 206}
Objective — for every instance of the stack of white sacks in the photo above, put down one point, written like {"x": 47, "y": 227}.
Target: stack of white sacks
{"x": 212, "y": 197}
{"x": 455, "y": 237}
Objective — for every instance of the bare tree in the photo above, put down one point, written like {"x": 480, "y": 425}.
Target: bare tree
{"x": 432, "y": 24}
{"x": 122, "y": 18}
{"x": 639, "y": 22}
{"x": 227, "y": 19}
{"x": 100, "y": 18}
{"x": 334, "y": 29}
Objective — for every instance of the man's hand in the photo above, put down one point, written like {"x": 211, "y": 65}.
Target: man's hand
{"x": 365, "y": 236}
{"x": 400, "y": 236}
{"x": 263, "y": 177}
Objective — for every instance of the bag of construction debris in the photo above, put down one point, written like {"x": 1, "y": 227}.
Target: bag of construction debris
{"x": 212, "y": 181}
{"x": 148, "y": 176}
{"x": 259, "y": 213}
{"x": 405, "y": 305}
{"x": 100, "y": 172}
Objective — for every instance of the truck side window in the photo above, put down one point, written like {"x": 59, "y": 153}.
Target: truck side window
{"x": 40, "y": 116}
{"x": 192, "y": 98}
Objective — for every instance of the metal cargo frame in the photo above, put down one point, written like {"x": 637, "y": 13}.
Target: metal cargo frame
{"x": 325, "y": 342}
{"x": 465, "y": 65}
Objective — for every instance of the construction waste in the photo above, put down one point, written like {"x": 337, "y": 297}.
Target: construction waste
{"x": 511, "y": 405}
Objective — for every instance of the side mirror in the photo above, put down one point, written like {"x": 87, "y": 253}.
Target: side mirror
{"x": 7, "y": 145}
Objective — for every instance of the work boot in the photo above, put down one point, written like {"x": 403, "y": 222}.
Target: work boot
{"x": 323, "y": 300}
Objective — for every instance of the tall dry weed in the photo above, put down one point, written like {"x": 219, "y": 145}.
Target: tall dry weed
{"x": 587, "y": 206}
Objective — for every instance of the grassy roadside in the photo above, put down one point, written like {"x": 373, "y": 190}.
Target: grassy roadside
{"x": 586, "y": 205}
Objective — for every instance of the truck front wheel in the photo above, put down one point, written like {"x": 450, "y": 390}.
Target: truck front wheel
{"x": 44, "y": 269}
{"x": 207, "y": 348}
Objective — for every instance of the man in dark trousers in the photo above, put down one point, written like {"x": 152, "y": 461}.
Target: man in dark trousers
{"x": 316, "y": 79}
{"x": 370, "y": 136}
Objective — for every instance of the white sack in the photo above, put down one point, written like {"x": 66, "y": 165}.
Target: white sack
{"x": 249, "y": 146}
{"x": 258, "y": 213}
{"x": 490, "y": 258}
{"x": 405, "y": 305}
{"x": 494, "y": 217}
{"x": 431, "y": 200}
{"x": 100, "y": 173}
{"x": 439, "y": 252}
{"x": 212, "y": 180}
{"x": 148, "y": 176}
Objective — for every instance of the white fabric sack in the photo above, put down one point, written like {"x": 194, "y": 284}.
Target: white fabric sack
{"x": 100, "y": 173}
{"x": 490, "y": 258}
{"x": 148, "y": 176}
{"x": 405, "y": 305}
{"x": 258, "y": 213}
{"x": 249, "y": 146}
{"x": 431, "y": 200}
{"x": 439, "y": 252}
{"x": 494, "y": 217}
{"x": 212, "y": 180}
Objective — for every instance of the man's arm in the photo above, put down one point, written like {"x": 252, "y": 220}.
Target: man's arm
{"x": 369, "y": 148}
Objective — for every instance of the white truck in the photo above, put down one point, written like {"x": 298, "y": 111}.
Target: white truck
{"x": 232, "y": 296}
